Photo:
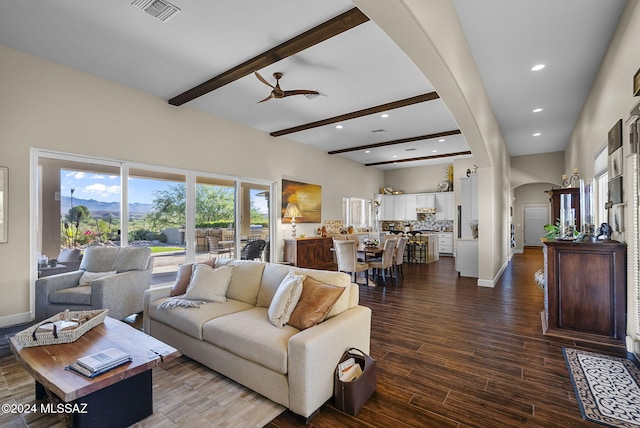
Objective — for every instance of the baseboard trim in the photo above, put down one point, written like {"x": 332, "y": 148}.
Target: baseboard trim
{"x": 9, "y": 320}
{"x": 491, "y": 283}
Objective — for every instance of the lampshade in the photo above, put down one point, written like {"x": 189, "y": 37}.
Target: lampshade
{"x": 293, "y": 210}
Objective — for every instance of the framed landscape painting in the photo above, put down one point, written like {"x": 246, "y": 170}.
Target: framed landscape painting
{"x": 307, "y": 196}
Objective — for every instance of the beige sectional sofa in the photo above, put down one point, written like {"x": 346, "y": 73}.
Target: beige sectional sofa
{"x": 236, "y": 338}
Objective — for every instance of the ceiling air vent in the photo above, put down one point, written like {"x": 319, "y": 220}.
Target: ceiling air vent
{"x": 159, "y": 9}
{"x": 375, "y": 131}
{"x": 410, "y": 149}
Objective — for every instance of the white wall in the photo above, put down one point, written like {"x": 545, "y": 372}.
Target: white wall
{"x": 610, "y": 99}
{"x": 48, "y": 106}
{"x": 430, "y": 33}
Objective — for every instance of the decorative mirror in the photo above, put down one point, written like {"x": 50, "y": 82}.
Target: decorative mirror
{"x": 4, "y": 202}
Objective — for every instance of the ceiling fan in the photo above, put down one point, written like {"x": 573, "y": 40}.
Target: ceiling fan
{"x": 277, "y": 92}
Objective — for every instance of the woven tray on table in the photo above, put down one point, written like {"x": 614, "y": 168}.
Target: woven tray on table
{"x": 35, "y": 336}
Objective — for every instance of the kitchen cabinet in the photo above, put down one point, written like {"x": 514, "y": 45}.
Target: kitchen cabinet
{"x": 469, "y": 205}
{"x": 445, "y": 242}
{"x": 425, "y": 200}
{"x": 585, "y": 292}
{"x": 467, "y": 257}
{"x": 387, "y": 207}
{"x": 399, "y": 212}
{"x": 444, "y": 206}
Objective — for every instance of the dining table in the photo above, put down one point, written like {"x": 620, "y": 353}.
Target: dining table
{"x": 369, "y": 251}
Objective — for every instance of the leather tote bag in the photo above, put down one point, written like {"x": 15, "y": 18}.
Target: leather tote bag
{"x": 350, "y": 397}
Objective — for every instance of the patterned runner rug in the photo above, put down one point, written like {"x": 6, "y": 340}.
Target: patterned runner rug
{"x": 606, "y": 387}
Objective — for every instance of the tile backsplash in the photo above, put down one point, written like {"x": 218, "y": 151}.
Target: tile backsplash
{"x": 426, "y": 222}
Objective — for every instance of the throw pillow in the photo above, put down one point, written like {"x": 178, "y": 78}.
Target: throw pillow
{"x": 209, "y": 284}
{"x": 183, "y": 277}
{"x": 87, "y": 277}
{"x": 285, "y": 299}
{"x": 316, "y": 301}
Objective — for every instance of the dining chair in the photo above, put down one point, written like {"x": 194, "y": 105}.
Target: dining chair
{"x": 386, "y": 260}
{"x": 346, "y": 257}
{"x": 398, "y": 256}
{"x": 214, "y": 246}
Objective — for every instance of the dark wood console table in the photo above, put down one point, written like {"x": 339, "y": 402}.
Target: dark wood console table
{"x": 314, "y": 253}
{"x": 585, "y": 292}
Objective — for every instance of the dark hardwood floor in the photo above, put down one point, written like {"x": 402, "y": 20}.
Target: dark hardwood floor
{"x": 451, "y": 354}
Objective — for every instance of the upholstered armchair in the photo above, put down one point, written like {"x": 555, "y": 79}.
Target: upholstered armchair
{"x": 112, "y": 278}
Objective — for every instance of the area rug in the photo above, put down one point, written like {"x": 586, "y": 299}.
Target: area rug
{"x": 606, "y": 387}
{"x": 185, "y": 393}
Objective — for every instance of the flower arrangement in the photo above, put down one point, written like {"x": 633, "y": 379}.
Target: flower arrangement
{"x": 370, "y": 242}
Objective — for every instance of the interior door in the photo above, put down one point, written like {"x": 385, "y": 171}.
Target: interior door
{"x": 534, "y": 220}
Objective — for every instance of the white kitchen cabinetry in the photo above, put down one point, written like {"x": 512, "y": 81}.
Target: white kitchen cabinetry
{"x": 410, "y": 205}
{"x": 399, "y": 212}
{"x": 444, "y": 206}
{"x": 445, "y": 241}
{"x": 467, "y": 257}
{"x": 387, "y": 207}
{"x": 469, "y": 203}
{"x": 425, "y": 200}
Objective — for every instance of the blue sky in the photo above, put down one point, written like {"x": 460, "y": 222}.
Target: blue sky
{"x": 106, "y": 188}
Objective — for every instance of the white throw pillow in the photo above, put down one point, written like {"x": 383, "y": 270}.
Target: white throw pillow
{"x": 209, "y": 284}
{"x": 285, "y": 299}
{"x": 87, "y": 277}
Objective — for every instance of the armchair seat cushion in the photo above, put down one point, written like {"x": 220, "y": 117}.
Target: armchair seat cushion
{"x": 80, "y": 295}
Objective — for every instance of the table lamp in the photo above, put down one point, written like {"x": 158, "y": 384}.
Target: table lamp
{"x": 292, "y": 211}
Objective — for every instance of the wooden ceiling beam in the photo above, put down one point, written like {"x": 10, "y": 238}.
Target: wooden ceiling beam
{"x": 430, "y": 96}
{"x": 394, "y": 142}
{"x": 444, "y": 155}
{"x": 341, "y": 23}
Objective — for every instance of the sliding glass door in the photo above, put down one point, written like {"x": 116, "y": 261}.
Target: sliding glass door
{"x": 183, "y": 216}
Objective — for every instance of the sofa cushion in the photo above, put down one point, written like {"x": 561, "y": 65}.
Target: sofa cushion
{"x": 133, "y": 258}
{"x": 122, "y": 259}
{"x": 191, "y": 320}
{"x": 250, "y": 335}
{"x": 73, "y": 296}
{"x": 209, "y": 284}
{"x": 272, "y": 276}
{"x": 87, "y": 276}
{"x": 183, "y": 277}
{"x": 316, "y": 300}
{"x": 339, "y": 279}
{"x": 245, "y": 281}
{"x": 285, "y": 299}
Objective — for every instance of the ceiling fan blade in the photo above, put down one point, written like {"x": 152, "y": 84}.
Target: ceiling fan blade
{"x": 300, "y": 92}
{"x": 266, "y": 99}
{"x": 263, "y": 80}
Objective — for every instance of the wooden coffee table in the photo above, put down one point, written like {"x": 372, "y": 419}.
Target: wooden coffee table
{"x": 121, "y": 397}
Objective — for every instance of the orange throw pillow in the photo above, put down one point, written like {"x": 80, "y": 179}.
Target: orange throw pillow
{"x": 316, "y": 301}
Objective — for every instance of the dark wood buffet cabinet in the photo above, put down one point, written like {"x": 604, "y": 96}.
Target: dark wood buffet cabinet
{"x": 585, "y": 292}
{"x": 314, "y": 253}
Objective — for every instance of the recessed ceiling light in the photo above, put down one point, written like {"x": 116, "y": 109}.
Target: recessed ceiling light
{"x": 537, "y": 134}
{"x": 537, "y": 110}
{"x": 538, "y": 67}
{"x": 434, "y": 151}
{"x": 384, "y": 115}
{"x": 441, "y": 140}
{"x": 394, "y": 156}
{"x": 367, "y": 151}
{"x": 338, "y": 126}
